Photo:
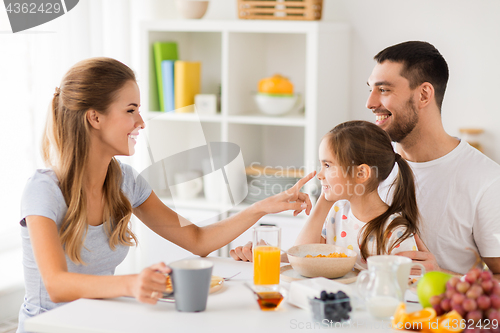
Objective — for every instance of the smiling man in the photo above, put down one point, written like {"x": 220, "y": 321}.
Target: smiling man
{"x": 457, "y": 186}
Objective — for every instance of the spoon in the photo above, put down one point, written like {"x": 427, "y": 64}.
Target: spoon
{"x": 229, "y": 278}
{"x": 249, "y": 287}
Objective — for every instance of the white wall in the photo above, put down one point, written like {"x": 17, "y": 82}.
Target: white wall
{"x": 464, "y": 31}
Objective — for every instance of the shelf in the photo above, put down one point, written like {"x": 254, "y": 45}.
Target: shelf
{"x": 262, "y": 26}
{"x": 188, "y": 117}
{"x": 249, "y": 118}
{"x": 259, "y": 119}
{"x": 235, "y": 55}
{"x": 201, "y": 203}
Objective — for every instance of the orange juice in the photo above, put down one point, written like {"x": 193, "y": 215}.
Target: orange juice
{"x": 266, "y": 265}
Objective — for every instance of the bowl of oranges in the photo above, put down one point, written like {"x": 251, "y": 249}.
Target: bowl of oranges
{"x": 321, "y": 260}
{"x": 275, "y": 96}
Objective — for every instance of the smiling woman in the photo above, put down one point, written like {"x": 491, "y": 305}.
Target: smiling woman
{"x": 76, "y": 213}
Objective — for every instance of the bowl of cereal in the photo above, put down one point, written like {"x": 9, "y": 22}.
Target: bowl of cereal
{"x": 321, "y": 260}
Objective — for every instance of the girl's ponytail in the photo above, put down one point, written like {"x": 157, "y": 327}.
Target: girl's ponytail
{"x": 404, "y": 199}
{"x": 405, "y": 202}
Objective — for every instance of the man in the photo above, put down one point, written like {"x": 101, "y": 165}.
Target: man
{"x": 457, "y": 186}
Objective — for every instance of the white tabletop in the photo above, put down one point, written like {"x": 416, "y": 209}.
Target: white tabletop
{"x": 231, "y": 309}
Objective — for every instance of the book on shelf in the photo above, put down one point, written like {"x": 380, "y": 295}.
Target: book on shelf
{"x": 162, "y": 51}
{"x": 167, "y": 72}
{"x": 187, "y": 82}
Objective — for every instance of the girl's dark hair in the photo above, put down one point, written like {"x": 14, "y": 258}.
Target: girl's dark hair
{"x": 360, "y": 142}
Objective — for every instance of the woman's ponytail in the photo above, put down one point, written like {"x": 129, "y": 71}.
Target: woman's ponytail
{"x": 51, "y": 140}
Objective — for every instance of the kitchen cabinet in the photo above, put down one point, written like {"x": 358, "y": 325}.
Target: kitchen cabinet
{"x": 235, "y": 55}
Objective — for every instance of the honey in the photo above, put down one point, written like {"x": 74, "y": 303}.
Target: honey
{"x": 269, "y": 300}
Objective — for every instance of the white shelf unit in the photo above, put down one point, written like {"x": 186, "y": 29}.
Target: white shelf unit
{"x": 235, "y": 55}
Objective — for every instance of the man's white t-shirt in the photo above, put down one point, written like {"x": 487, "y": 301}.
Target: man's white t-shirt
{"x": 458, "y": 197}
{"x": 342, "y": 228}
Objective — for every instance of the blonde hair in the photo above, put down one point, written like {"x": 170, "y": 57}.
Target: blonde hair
{"x": 90, "y": 84}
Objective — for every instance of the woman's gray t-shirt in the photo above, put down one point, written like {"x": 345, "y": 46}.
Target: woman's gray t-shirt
{"x": 42, "y": 196}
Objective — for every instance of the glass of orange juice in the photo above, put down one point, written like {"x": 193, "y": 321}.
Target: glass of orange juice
{"x": 266, "y": 255}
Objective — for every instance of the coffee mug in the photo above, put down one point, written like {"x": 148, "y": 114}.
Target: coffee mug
{"x": 191, "y": 284}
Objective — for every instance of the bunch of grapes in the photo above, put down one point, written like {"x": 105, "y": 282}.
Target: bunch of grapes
{"x": 476, "y": 298}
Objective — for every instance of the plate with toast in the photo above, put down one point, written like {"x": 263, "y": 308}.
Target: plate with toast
{"x": 216, "y": 284}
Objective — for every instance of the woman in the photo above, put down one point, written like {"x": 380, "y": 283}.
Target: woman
{"x": 76, "y": 213}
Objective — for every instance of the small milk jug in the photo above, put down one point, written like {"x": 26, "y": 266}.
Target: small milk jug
{"x": 381, "y": 291}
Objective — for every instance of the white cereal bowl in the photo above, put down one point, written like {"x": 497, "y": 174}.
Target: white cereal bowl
{"x": 275, "y": 105}
{"x": 321, "y": 267}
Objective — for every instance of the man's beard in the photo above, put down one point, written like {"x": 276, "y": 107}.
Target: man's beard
{"x": 402, "y": 128}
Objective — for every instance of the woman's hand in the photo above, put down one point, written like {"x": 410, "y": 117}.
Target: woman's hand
{"x": 148, "y": 286}
{"x": 291, "y": 199}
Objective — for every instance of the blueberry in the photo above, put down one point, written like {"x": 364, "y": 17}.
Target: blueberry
{"x": 341, "y": 295}
{"x": 336, "y": 318}
{"x": 324, "y": 295}
{"x": 339, "y": 306}
{"x": 331, "y": 296}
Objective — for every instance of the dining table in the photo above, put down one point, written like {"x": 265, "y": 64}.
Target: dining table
{"x": 231, "y": 309}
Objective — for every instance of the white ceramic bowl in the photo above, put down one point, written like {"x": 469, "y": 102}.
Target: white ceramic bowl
{"x": 321, "y": 267}
{"x": 192, "y": 9}
{"x": 275, "y": 105}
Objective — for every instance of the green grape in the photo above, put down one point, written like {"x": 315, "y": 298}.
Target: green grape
{"x": 463, "y": 286}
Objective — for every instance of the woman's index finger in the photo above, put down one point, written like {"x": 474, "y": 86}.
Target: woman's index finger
{"x": 305, "y": 179}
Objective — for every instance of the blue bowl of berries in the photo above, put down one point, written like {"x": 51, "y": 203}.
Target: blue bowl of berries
{"x": 334, "y": 307}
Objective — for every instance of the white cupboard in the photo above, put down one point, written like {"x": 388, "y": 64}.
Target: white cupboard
{"x": 235, "y": 55}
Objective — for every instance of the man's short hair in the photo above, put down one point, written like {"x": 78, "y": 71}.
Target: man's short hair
{"x": 422, "y": 62}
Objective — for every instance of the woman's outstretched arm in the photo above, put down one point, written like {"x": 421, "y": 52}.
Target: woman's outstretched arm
{"x": 202, "y": 241}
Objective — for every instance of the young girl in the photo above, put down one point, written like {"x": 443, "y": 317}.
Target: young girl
{"x": 76, "y": 213}
{"x": 355, "y": 157}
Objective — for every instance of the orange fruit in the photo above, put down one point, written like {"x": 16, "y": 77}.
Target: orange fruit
{"x": 276, "y": 84}
{"x": 399, "y": 317}
{"x": 421, "y": 319}
{"x": 447, "y": 323}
